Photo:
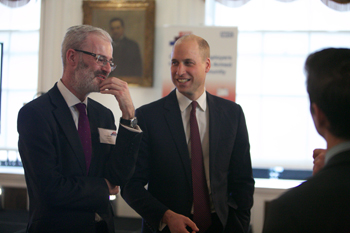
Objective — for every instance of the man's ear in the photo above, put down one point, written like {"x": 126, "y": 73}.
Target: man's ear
{"x": 207, "y": 65}
{"x": 72, "y": 57}
{"x": 320, "y": 120}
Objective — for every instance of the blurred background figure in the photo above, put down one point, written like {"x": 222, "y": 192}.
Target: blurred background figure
{"x": 126, "y": 52}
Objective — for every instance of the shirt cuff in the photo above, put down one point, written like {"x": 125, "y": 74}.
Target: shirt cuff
{"x": 136, "y": 130}
{"x": 162, "y": 225}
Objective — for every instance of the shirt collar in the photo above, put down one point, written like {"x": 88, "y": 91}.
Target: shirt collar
{"x": 184, "y": 101}
{"x": 68, "y": 96}
{"x": 344, "y": 146}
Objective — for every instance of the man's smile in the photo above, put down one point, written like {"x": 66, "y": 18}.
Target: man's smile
{"x": 183, "y": 80}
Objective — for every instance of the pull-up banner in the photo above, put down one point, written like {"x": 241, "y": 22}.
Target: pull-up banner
{"x": 221, "y": 79}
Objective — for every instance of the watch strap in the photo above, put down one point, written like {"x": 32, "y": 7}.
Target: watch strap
{"x": 132, "y": 123}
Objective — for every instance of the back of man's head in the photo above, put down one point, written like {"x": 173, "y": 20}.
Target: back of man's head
{"x": 328, "y": 85}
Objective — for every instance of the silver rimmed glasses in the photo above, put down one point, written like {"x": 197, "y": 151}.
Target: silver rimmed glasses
{"x": 100, "y": 59}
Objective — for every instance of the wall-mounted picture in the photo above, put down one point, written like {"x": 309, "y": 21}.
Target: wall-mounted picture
{"x": 131, "y": 26}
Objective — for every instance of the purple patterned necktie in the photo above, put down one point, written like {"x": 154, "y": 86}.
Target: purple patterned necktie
{"x": 84, "y": 133}
{"x": 201, "y": 204}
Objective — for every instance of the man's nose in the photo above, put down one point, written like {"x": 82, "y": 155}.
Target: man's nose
{"x": 180, "y": 70}
{"x": 107, "y": 67}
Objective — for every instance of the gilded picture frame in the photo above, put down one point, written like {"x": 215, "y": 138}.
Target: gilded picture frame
{"x": 137, "y": 20}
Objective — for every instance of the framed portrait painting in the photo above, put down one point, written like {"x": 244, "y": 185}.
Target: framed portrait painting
{"x": 131, "y": 26}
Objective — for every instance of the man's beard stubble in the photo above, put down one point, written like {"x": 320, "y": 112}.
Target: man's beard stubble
{"x": 85, "y": 79}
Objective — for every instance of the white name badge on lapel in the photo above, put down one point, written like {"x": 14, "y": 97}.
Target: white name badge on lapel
{"x": 107, "y": 136}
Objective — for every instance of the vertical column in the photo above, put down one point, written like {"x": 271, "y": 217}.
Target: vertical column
{"x": 56, "y": 17}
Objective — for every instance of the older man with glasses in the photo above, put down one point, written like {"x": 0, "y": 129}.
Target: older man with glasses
{"x": 72, "y": 157}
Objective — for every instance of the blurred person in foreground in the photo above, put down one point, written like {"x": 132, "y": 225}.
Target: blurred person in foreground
{"x": 72, "y": 155}
{"x": 322, "y": 204}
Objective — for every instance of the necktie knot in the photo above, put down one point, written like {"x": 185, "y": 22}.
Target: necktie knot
{"x": 194, "y": 106}
{"x": 81, "y": 108}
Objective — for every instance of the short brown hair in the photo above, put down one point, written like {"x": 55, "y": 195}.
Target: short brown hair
{"x": 203, "y": 45}
{"x": 328, "y": 85}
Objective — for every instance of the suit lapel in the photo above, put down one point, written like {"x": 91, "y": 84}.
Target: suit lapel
{"x": 64, "y": 119}
{"x": 174, "y": 121}
{"x": 95, "y": 136}
{"x": 214, "y": 130}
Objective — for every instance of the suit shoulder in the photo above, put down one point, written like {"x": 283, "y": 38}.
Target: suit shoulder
{"x": 130, "y": 42}
{"x": 153, "y": 105}
{"x": 98, "y": 108}
{"x": 157, "y": 109}
{"x": 307, "y": 192}
{"x": 95, "y": 104}
{"x": 221, "y": 102}
{"x": 41, "y": 102}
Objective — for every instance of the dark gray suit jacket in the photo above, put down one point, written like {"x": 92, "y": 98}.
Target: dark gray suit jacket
{"x": 321, "y": 204}
{"x": 164, "y": 164}
{"x": 63, "y": 198}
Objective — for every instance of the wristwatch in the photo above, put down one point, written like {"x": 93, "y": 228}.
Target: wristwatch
{"x": 131, "y": 123}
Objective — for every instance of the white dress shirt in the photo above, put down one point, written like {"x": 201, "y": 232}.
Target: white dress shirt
{"x": 202, "y": 115}
{"x": 71, "y": 101}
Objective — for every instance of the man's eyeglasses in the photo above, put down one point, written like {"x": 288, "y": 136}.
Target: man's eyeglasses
{"x": 100, "y": 59}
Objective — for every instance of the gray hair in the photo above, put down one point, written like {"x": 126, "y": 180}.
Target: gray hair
{"x": 75, "y": 38}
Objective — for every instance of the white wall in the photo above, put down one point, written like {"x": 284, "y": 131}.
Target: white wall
{"x": 57, "y": 16}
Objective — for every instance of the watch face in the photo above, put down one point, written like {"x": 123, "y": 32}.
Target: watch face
{"x": 133, "y": 122}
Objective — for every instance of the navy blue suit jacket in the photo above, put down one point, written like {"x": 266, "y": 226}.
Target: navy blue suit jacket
{"x": 63, "y": 198}
{"x": 321, "y": 204}
{"x": 164, "y": 164}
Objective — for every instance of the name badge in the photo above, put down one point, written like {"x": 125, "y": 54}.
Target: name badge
{"x": 107, "y": 136}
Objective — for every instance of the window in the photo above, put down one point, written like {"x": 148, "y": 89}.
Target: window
{"x": 19, "y": 33}
{"x": 274, "y": 40}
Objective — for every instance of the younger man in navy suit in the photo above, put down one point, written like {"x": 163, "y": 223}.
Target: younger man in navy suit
{"x": 169, "y": 165}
